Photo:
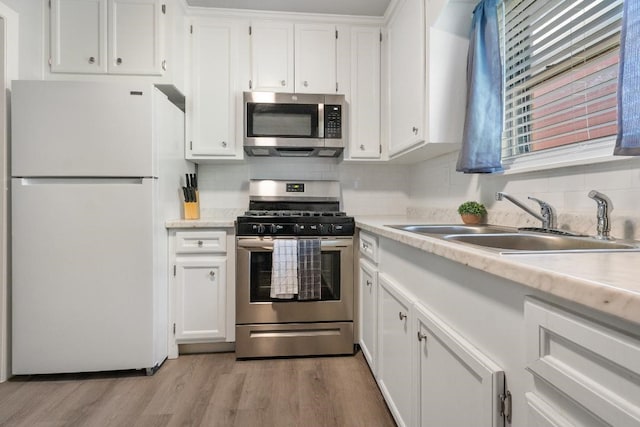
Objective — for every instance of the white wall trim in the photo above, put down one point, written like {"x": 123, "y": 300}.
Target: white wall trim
{"x": 10, "y": 64}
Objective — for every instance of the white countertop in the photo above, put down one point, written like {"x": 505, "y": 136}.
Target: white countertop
{"x": 201, "y": 223}
{"x": 608, "y": 282}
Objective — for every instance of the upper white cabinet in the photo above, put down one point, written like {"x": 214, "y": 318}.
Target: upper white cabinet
{"x": 364, "y": 111}
{"x": 288, "y": 57}
{"x": 211, "y": 107}
{"x": 426, "y": 70}
{"x": 315, "y": 58}
{"x": 272, "y": 56}
{"x": 106, "y": 36}
{"x": 407, "y": 93}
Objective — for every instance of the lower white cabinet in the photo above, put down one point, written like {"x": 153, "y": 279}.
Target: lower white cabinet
{"x": 395, "y": 376}
{"x": 200, "y": 293}
{"x": 368, "y": 312}
{"x": 202, "y": 287}
{"x": 594, "y": 367}
{"x": 457, "y": 384}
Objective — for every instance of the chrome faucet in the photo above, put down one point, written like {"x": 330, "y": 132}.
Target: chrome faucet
{"x": 547, "y": 216}
{"x": 604, "y": 207}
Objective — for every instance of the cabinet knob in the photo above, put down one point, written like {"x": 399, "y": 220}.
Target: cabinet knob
{"x": 119, "y": 61}
{"x": 92, "y": 60}
{"x": 212, "y": 274}
{"x": 365, "y": 245}
{"x": 200, "y": 243}
{"x": 224, "y": 144}
{"x": 421, "y": 336}
{"x": 402, "y": 316}
{"x": 283, "y": 82}
{"x": 369, "y": 283}
{"x": 362, "y": 147}
{"x": 415, "y": 130}
{"x": 305, "y": 83}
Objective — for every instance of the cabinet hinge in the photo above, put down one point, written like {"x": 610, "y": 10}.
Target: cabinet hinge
{"x": 164, "y": 9}
{"x": 50, "y": 61}
{"x": 191, "y": 29}
{"x": 250, "y": 84}
{"x": 380, "y": 148}
{"x": 336, "y": 87}
{"x": 49, "y": 4}
{"x": 380, "y": 36}
{"x": 249, "y": 29}
{"x": 505, "y": 405}
{"x": 174, "y": 329}
{"x": 174, "y": 270}
{"x": 190, "y": 145}
{"x": 336, "y": 34}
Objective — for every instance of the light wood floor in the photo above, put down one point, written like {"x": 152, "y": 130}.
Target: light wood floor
{"x": 204, "y": 390}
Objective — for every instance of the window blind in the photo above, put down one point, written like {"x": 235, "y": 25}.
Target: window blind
{"x": 561, "y": 69}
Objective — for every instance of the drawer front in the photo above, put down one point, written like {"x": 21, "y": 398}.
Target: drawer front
{"x": 201, "y": 241}
{"x": 369, "y": 246}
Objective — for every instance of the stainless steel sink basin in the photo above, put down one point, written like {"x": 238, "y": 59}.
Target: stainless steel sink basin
{"x": 453, "y": 229}
{"x": 541, "y": 242}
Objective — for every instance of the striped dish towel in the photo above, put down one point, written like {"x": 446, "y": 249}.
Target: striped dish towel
{"x": 284, "y": 269}
{"x": 309, "y": 269}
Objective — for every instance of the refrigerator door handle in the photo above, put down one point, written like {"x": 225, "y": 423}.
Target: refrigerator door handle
{"x": 82, "y": 181}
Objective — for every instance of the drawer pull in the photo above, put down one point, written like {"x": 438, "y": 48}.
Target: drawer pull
{"x": 200, "y": 243}
{"x": 212, "y": 274}
{"x": 421, "y": 336}
{"x": 402, "y": 316}
{"x": 369, "y": 283}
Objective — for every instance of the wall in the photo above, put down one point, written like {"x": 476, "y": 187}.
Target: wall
{"x": 372, "y": 189}
{"x": 435, "y": 187}
{"x": 31, "y": 35}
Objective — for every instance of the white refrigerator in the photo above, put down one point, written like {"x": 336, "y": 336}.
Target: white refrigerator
{"x": 96, "y": 171}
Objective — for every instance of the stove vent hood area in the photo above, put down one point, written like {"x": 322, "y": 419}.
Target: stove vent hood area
{"x": 294, "y": 124}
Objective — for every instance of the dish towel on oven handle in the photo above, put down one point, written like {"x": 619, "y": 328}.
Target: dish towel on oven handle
{"x": 284, "y": 269}
{"x": 309, "y": 270}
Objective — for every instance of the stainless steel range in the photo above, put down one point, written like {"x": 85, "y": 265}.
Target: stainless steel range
{"x": 302, "y": 215}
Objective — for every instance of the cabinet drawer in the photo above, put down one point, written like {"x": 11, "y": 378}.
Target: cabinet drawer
{"x": 594, "y": 365}
{"x": 201, "y": 241}
{"x": 369, "y": 246}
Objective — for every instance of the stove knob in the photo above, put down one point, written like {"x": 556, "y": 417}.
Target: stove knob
{"x": 321, "y": 229}
{"x": 274, "y": 229}
{"x": 297, "y": 229}
{"x": 335, "y": 228}
{"x": 259, "y": 228}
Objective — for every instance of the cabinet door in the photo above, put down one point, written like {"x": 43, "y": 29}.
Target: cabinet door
{"x": 272, "y": 56}
{"x": 200, "y": 299}
{"x": 364, "y": 112}
{"x": 407, "y": 93}
{"x": 134, "y": 37}
{"x": 78, "y": 36}
{"x": 214, "y": 59}
{"x": 454, "y": 375}
{"x": 395, "y": 375}
{"x": 368, "y": 312}
{"x": 315, "y": 58}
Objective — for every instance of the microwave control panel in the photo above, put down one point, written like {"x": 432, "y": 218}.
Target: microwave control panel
{"x": 333, "y": 121}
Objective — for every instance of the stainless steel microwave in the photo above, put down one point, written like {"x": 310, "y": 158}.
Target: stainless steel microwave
{"x": 294, "y": 124}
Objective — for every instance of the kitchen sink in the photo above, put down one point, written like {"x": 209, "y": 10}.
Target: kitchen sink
{"x": 453, "y": 229}
{"x": 542, "y": 242}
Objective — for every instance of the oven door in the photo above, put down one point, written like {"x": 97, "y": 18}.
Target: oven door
{"x": 253, "y": 303}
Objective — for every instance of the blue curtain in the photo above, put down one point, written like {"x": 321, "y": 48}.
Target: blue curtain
{"x": 481, "y": 140}
{"x": 628, "y": 140}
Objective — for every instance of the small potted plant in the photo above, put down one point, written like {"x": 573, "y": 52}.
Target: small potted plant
{"x": 472, "y": 212}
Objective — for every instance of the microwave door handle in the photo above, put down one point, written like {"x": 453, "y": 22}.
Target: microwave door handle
{"x": 320, "y": 120}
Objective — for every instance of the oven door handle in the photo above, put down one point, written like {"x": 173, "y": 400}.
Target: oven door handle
{"x": 268, "y": 244}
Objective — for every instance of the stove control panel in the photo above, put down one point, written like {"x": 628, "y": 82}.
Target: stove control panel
{"x": 300, "y": 229}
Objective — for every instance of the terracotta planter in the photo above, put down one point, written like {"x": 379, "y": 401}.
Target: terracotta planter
{"x": 472, "y": 219}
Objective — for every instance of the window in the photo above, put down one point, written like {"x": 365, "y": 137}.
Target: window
{"x": 560, "y": 75}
